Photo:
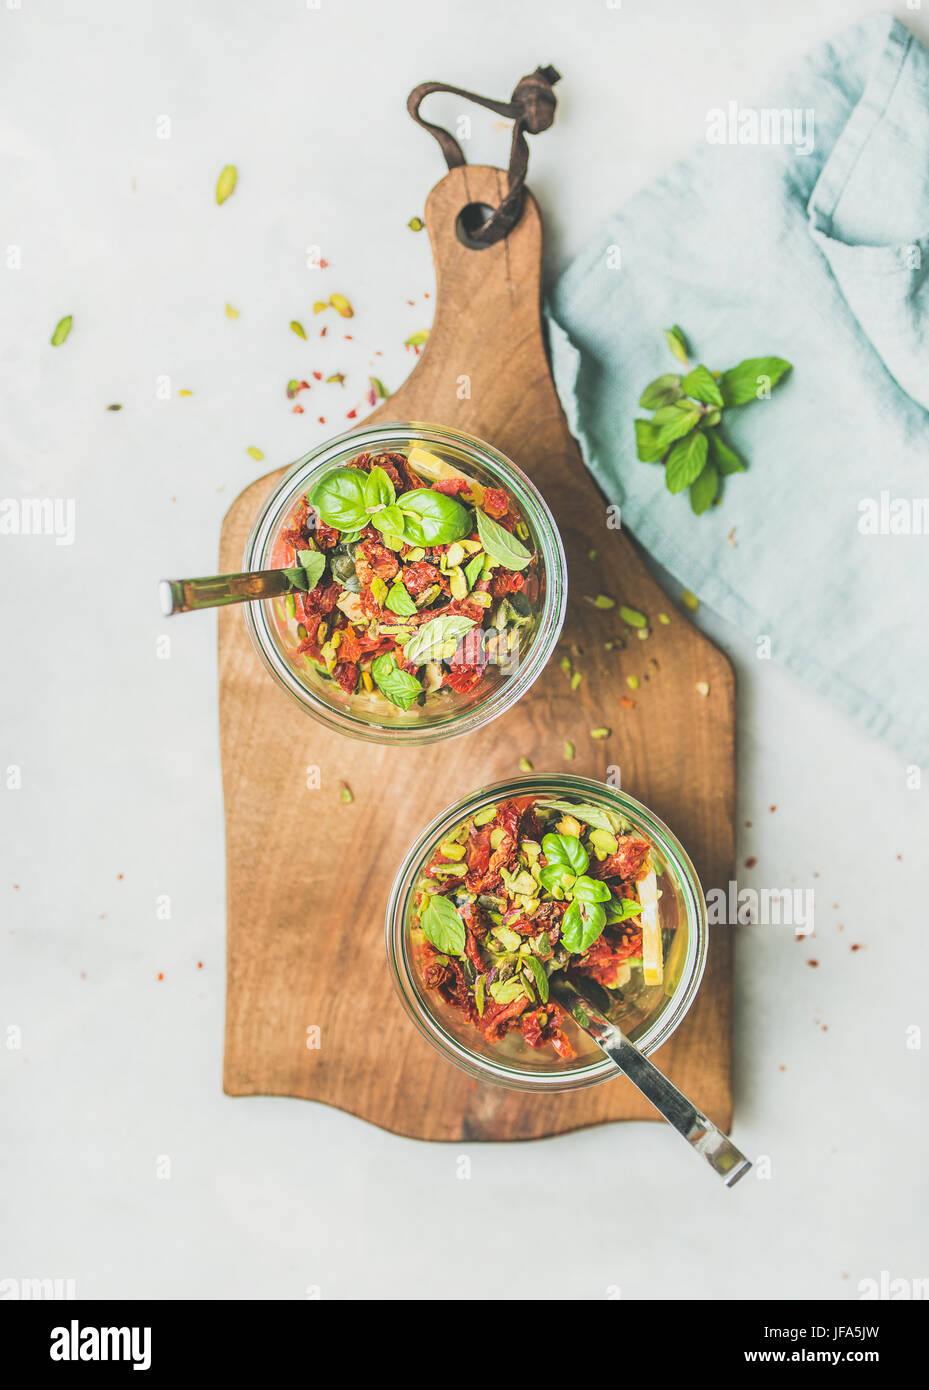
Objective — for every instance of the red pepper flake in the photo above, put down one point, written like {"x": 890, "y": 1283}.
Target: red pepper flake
{"x": 626, "y": 702}
{"x": 297, "y": 410}
{"x": 426, "y": 294}
{"x": 857, "y": 947}
{"x": 322, "y": 419}
{"x": 199, "y": 964}
{"x": 750, "y": 862}
{"x": 748, "y": 825}
{"x": 813, "y": 963}
{"x": 324, "y": 265}
{"x": 160, "y": 975}
{"x": 841, "y": 926}
{"x": 351, "y": 414}
{"x": 120, "y": 876}
{"x": 772, "y": 808}
{"x": 348, "y": 337}
{"x": 411, "y": 302}
{"x": 782, "y": 1068}
{"x": 16, "y": 887}
{"x": 899, "y": 856}
{"x": 317, "y": 376}
{"x": 323, "y": 332}
{"x": 825, "y": 1027}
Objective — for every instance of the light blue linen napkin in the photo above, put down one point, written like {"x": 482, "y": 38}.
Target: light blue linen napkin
{"x": 821, "y": 257}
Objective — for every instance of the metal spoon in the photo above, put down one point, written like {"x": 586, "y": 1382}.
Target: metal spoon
{"x": 583, "y": 1006}
{"x": 187, "y": 595}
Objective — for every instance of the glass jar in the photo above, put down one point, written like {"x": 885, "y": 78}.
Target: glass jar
{"x": 446, "y": 713}
{"x": 512, "y": 1062}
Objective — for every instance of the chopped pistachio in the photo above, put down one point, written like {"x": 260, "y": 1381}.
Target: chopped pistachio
{"x": 254, "y": 453}
{"x": 602, "y": 601}
{"x": 367, "y": 680}
{"x": 603, "y": 840}
{"x": 576, "y": 680}
{"x": 297, "y": 327}
{"x": 565, "y": 664}
{"x": 454, "y": 555}
{"x": 378, "y": 590}
{"x": 457, "y": 582}
{"x": 703, "y": 687}
{"x": 599, "y": 733}
{"x": 644, "y": 633}
{"x": 427, "y": 595}
{"x": 416, "y": 554}
{"x": 290, "y": 604}
{"x": 664, "y": 619}
{"x": 301, "y": 627}
{"x": 471, "y": 547}
{"x": 522, "y": 530}
{"x": 451, "y": 850}
{"x": 633, "y": 617}
{"x": 568, "y": 750}
{"x": 632, "y": 682}
{"x": 417, "y": 339}
{"x": 496, "y": 836}
{"x": 61, "y": 331}
{"x": 531, "y": 848}
{"x": 225, "y": 184}
{"x": 320, "y": 306}
{"x": 433, "y": 677}
{"x": 347, "y": 796}
{"x": 525, "y": 765}
{"x": 511, "y": 940}
{"x": 322, "y": 632}
{"x": 690, "y": 600}
{"x": 341, "y": 306}
{"x": 231, "y": 313}
{"x": 486, "y": 814}
{"x": 569, "y": 826}
{"x": 185, "y": 393}
{"x": 416, "y": 224}
{"x": 592, "y": 556}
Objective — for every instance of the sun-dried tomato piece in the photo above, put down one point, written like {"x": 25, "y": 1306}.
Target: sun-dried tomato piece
{"x": 381, "y": 560}
{"x": 505, "y": 582}
{"x": 495, "y": 503}
{"x": 418, "y": 577}
{"x": 350, "y": 648}
{"x": 345, "y": 674}
{"x": 463, "y": 679}
{"x": 626, "y": 863}
{"x": 497, "y": 1021}
{"x": 294, "y": 536}
{"x": 325, "y": 536}
{"x": 321, "y": 600}
{"x": 452, "y": 487}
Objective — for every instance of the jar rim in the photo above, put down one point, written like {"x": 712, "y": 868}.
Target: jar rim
{"x": 545, "y": 535}
{"x": 502, "y": 1073}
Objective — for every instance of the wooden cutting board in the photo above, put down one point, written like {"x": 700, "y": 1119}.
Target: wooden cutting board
{"x": 308, "y": 876}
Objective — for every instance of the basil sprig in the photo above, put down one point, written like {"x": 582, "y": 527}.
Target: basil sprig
{"x": 399, "y": 686}
{"x": 501, "y": 545}
{"x": 308, "y": 572}
{"x": 683, "y": 431}
{"x": 432, "y": 641}
{"x": 349, "y": 499}
{"x": 442, "y": 925}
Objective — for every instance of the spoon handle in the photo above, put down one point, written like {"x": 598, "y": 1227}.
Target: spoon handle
{"x": 701, "y": 1133}
{"x": 187, "y": 595}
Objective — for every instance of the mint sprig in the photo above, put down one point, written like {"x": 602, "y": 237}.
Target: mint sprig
{"x": 683, "y": 433}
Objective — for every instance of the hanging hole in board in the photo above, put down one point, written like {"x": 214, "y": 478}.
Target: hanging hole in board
{"x": 471, "y": 219}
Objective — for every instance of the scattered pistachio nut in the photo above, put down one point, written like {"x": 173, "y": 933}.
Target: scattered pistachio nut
{"x": 592, "y": 556}
{"x": 690, "y": 600}
{"x": 603, "y": 601}
{"x": 664, "y": 619}
{"x": 599, "y": 733}
{"x": 297, "y": 327}
{"x": 417, "y": 339}
{"x": 319, "y": 306}
{"x": 703, "y": 687}
{"x": 255, "y": 453}
{"x": 416, "y": 224}
{"x": 525, "y": 765}
{"x": 231, "y": 313}
{"x": 644, "y": 633}
{"x": 225, "y": 184}
{"x": 633, "y": 617}
{"x": 568, "y": 749}
{"x": 576, "y": 680}
{"x": 341, "y": 306}
{"x": 346, "y": 793}
{"x": 185, "y": 393}
{"x": 632, "y": 682}
{"x": 62, "y": 329}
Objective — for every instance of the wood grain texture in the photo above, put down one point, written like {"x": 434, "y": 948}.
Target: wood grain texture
{"x": 305, "y": 933}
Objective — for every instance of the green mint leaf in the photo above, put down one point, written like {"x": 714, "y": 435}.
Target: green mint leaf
{"x": 677, "y": 343}
{"x": 582, "y": 925}
{"x": 430, "y": 641}
{"x": 433, "y": 518}
{"x": 503, "y": 548}
{"x": 703, "y": 386}
{"x": 398, "y": 686}
{"x": 726, "y": 460}
{"x": 442, "y": 925}
{"x": 379, "y": 490}
{"x": 597, "y": 816}
{"x": 647, "y": 447}
{"x": 685, "y": 462}
{"x": 662, "y": 391}
{"x": 398, "y": 601}
{"x": 339, "y": 498}
{"x": 752, "y": 379}
{"x": 674, "y": 421}
{"x": 703, "y": 490}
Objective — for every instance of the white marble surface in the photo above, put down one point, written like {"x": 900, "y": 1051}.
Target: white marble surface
{"x": 120, "y": 799}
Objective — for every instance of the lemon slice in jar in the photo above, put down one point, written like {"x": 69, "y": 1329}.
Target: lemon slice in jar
{"x": 435, "y": 469}
{"x": 652, "y": 964}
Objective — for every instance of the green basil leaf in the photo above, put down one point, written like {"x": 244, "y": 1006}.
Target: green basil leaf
{"x": 703, "y": 386}
{"x": 674, "y": 421}
{"x": 582, "y": 925}
{"x": 597, "y": 816}
{"x": 400, "y": 687}
{"x": 541, "y": 979}
{"x": 391, "y": 520}
{"x": 473, "y": 569}
{"x": 339, "y": 498}
{"x": 620, "y": 909}
{"x": 685, "y": 462}
{"x": 433, "y": 518}
{"x": 556, "y": 875}
{"x": 566, "y": 851}
{"x": 379, "y": 490}
{"x": 502, "y": 547}
{"x": 506, "y": 991}
{"x": 398, "y": 601}
{"x": 313, "y": 563}
{"x": 591, "y": 890}
{"x": 726, "y": 460}
{"x": 741, "y": 384}
{"x": 442, "y": 925}
{"x": 429, "y": 641}
{"x": 662, "y": 391}
{"x": 704, "y": 489}
{"x": 677, "y": 343}
{"x": 647, "y": 447}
